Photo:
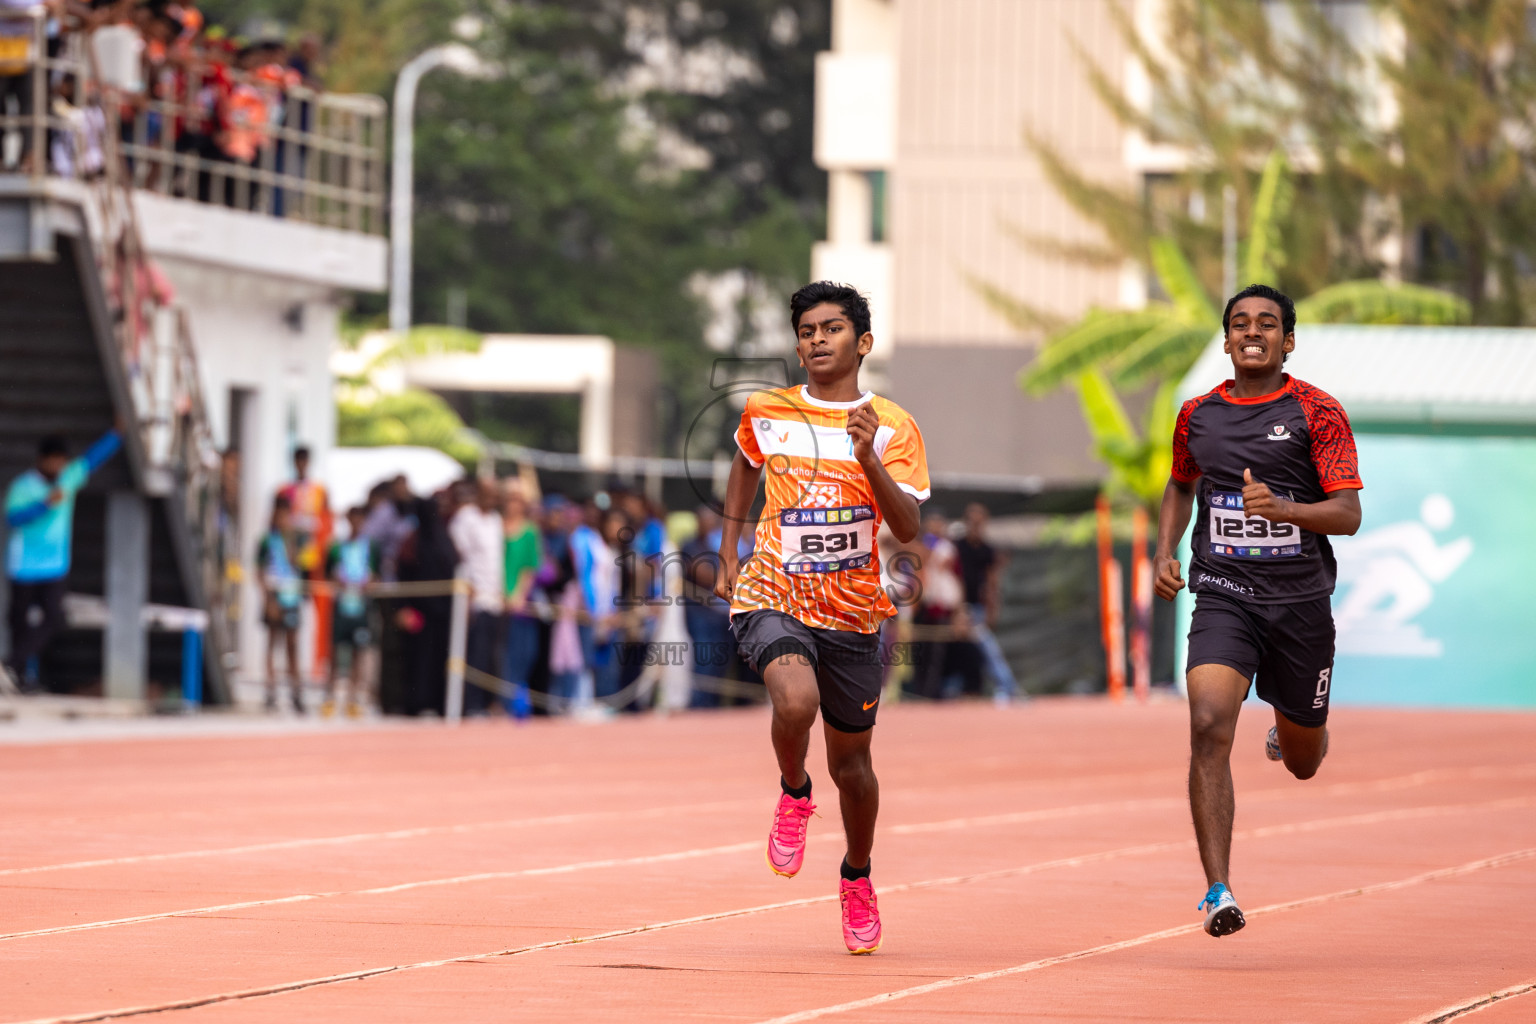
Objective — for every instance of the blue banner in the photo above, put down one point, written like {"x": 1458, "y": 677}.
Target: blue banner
{"x": 1436, "y": 602}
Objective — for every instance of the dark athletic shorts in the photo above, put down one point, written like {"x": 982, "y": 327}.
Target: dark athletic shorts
{"x": 351, "y": 631}
{"x": 848, "y": 667}
{"x": 1288, "y": 647}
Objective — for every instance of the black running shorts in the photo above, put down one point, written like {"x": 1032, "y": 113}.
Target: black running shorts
{"x": 849, "y": 672}
{"x": 1287, "y": 649}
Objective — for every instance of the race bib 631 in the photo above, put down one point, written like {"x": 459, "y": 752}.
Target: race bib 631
{"x": 826, "y": 539}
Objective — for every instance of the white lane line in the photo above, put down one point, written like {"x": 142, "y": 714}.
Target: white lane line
{"x": 1390, "y": 783}
{"x": 1019, "y": 871}
{"x": 1372, "y": 817}
{"x": 368, "y": 837}
{"x": 429, "y": 883}
{"x": 1473, "y": 1005}
{"x": 295, "y": 986}
{"x": 1142, "y": 940}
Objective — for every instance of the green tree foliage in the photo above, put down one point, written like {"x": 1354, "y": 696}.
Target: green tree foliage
{"x": 409, "y": 418}
{"x": 368, "y": 419}
{"x": 583, "y": 188}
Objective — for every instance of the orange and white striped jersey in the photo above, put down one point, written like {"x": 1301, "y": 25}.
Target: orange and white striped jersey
{"x": 816, "y": 557}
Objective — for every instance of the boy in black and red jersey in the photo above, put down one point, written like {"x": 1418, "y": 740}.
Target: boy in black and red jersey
{"x": 1272, "y": 463}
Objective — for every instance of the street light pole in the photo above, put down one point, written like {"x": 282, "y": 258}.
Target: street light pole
{"x": 401, "y": 199}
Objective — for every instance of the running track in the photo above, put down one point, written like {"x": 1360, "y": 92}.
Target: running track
{"x": 1034, "y": 863}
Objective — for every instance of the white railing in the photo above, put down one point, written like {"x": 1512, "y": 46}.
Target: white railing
{"x": 195, "y": 130}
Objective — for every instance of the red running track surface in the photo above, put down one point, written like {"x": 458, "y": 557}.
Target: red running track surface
{"x": 1034, "y": 863}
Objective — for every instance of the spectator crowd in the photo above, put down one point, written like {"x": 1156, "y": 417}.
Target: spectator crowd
{"x": 164, "y": 80}
{"x": 572, "y": 604}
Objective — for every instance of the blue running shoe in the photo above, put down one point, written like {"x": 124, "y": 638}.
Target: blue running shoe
{"x": 1272, "y": 744}
{"x": 1223, "y": 917}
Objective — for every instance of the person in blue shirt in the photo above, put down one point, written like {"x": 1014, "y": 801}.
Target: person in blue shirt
{"x": 282, "y": 594}
{"x": 40, "y": 511}
{"x": 351, "y": 566}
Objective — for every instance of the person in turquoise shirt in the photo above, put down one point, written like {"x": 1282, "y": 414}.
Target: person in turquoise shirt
{"x": 40, "y": 511}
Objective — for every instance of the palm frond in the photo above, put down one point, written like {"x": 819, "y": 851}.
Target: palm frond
{"x": 1179, "y": 281}
{"x": 1088, "y": 254}
{"x": 1020, "y": 315}
{"x": 1114, "y": 436}
{"x": 1271, "y": 207}
{"x": 1099, "y": 335}
{"x": 1120, "y": 214}
{"x": 1376, "y": 302}
{"x": 1165, "y": 352}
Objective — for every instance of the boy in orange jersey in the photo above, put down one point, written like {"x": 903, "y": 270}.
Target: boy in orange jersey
{"x": 806, "y": 607}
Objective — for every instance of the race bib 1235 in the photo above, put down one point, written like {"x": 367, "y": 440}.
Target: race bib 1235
{"x": 1235, "y": 536}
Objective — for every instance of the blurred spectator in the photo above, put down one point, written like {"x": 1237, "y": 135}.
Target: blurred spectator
{"x": 310, "y": 538}
{"x": 707, "y": 616}
{"x": 980, "y": 567}
{"x": 352, "y": 565}
{"x": 567, "y": 651}
{"x": 305, "y": 61}
{"x": 40, "y": 511}
{"x": 942, "y": 596}
{"x": 479, "y": 537}
{"x": 282, "y": 592}
{"x": 428, "y": 555}
{"x": 118, "y": 48}
{"x": 648, "y": 538}
{"x": 389, "y": 523}
{"x": 524, "y": 557}
{"x": 16, "y": 73}
{"x": 77, "y": 152}
{"x": 593, "y": 562}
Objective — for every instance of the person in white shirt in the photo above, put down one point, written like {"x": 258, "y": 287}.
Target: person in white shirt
{"x": 477, "y": 532}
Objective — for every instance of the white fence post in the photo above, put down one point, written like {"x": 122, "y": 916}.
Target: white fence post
{"x": 458, "y": 639}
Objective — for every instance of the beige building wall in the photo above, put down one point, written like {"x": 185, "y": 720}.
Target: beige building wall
{"x": 974, "y": 76}
{"x": 938, "y": 95}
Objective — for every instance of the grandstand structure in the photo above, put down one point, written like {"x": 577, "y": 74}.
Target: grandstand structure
{"x": 194, "y": 299}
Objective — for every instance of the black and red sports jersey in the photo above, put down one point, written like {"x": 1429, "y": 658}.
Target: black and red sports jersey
{"x": 1298, "y": 441}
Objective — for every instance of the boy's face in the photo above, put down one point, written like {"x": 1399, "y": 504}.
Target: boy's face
{"x": 52, "y": 465}
{"x": 281, "y": 518}
{"x": 825, "y": 341}
{"x": 355, "y": 521}
{"x": 1256, "y": 338}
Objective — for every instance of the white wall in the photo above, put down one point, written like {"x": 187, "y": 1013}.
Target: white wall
{"x": 273, "y": 337}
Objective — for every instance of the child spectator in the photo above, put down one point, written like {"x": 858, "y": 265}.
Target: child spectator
{"x": 282, "y": 591}
{"x": 351, "y": 565}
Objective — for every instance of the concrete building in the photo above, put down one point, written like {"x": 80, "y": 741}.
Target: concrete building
{"x": 922, "y": 110}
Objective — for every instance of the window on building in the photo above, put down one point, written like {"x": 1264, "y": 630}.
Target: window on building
{"x": 877, "y": 190}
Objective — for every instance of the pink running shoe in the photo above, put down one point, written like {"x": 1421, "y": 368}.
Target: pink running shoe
{"x": 861, "y": 916}
{"x": 786, "y": 839}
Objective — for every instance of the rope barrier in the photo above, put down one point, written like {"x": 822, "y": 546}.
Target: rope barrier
{"x": 644, "y": 690}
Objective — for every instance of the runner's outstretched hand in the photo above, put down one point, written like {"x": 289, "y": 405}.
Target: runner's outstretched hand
{"x": 1166, "y": 580}
{"x": 1258, "y": 500}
